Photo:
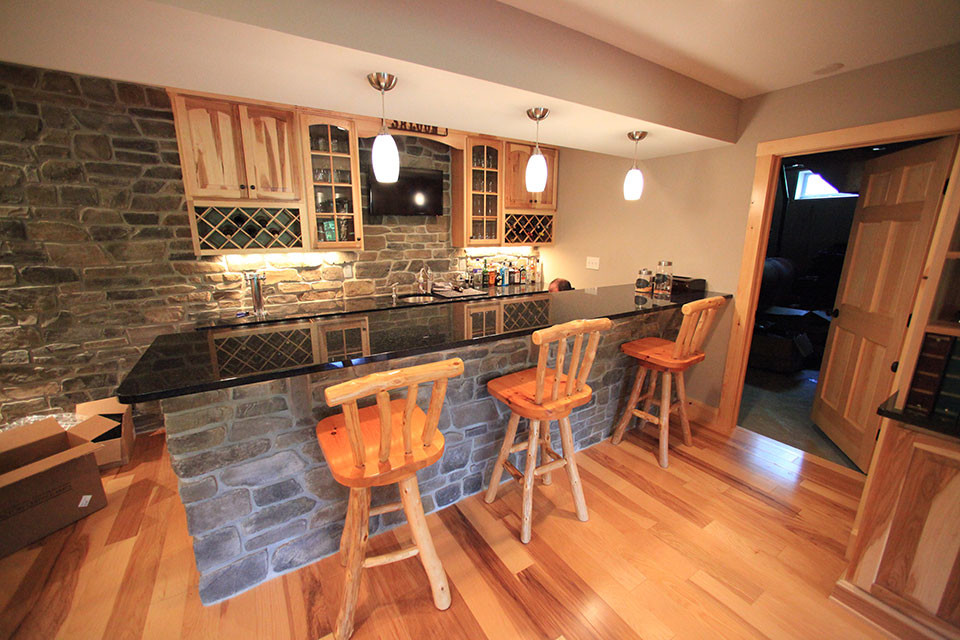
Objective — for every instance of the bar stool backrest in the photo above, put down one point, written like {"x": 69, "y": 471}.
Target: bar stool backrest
{"x": 698, "y": 318}
{"x": 347, "y": 394}
{"x": 578, "y": 368}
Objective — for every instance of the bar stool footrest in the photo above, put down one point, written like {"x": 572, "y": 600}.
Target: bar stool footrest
{"x": 649, "y": 417}
{"x": 520, "y": 446}
{"x": 513, "y": 471}
{"x": 550, "y": 466}
{"x": 549, "y": 452}
{"x": 385, "y": 508}
{"x": 392, "y": 556}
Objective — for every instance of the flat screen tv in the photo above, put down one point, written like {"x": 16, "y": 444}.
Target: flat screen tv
{"x": 417, "y": 192}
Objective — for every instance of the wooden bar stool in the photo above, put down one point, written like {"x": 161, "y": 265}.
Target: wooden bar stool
{"x": 378, "y": 445}
{"x": 541, "y": 395}
{"x": 670, "y": 359}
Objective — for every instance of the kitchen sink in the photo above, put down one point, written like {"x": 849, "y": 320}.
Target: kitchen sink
{"x": 416, "y": 299}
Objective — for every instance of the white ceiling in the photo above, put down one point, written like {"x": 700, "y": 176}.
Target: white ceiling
{"x": 748, "y": 47}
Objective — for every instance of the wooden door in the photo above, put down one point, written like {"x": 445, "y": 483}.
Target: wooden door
{"x": 484, "y": 186}
{"x": 516, "y": 195}
{"x": 899, "y": 199}
{"x": 270, "y": 152}
{"x": 210, "y": 148}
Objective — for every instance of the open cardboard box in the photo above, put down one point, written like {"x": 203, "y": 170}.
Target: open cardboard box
{"x": 110, "y": 425}
{"x": 48, "y": 479}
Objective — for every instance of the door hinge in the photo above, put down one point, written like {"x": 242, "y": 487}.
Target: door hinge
{"x": 895, "y": 366}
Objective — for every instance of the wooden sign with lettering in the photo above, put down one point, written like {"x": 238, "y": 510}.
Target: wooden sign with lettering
{"x": 413, "y": 127}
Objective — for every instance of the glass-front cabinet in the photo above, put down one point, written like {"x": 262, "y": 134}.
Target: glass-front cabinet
{"x": 484, "y": 189}
{"x": 333, "y": 181}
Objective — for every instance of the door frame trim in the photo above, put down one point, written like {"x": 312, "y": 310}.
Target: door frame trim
{"x": 760, "y": 214}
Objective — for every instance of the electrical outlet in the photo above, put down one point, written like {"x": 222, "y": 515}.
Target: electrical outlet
{"x": 593, "y": 263}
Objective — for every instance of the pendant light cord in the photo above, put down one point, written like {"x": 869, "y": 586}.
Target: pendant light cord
{"x": 538, "y": 136}
{"x": 383, "y": 112}
{"x": 636, "y": 145}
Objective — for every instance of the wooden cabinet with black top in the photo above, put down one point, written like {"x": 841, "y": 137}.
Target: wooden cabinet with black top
{"x": 904, "y": 571}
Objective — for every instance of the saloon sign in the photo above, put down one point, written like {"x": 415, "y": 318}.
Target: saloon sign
{"x": 428, "y": 129}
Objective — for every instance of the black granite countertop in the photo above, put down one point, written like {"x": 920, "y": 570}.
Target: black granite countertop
{"x": 930, "y": 424}
{"x": 229, "y": 356}
{"x": 376, "y": 303}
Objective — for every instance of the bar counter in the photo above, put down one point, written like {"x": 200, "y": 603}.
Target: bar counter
{"x": 241, "y": 403}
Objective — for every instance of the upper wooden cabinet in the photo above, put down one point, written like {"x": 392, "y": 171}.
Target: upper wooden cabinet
{"x": 231, "y": 150}
{"x": 516, "y": 195}
{"x": 211, "y": 155}
{"x": 332, "y": 171}
{"x": 270, "y": 152}
{"x": 481, "y": 174}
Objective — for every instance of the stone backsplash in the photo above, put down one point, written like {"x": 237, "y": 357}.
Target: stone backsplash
{"x": 95, "y": 251}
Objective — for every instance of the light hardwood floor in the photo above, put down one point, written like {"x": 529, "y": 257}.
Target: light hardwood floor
{"x": 739, "y": 538}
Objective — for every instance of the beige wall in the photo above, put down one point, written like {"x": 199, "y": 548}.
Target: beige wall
{"x": 694, "y": 206}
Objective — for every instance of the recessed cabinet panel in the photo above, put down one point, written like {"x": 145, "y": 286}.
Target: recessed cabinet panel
{"x": 516, "y": 195}
{"x": 271, "y": 152}
{"x": 212, "y": 158}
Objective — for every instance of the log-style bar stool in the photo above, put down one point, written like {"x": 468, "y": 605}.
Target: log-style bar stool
{"x": 541, "y": 395}
{"x": 378, "y": 445}
{"x": 669, "y": 359}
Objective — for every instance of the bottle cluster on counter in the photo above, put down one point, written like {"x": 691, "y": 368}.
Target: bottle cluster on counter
{"x": 489, "y": 273}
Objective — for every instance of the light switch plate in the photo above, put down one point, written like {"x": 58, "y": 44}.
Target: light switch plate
{"x": 593, "y": 263}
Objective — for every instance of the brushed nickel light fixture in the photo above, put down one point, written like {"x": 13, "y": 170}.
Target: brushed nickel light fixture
{"x": 385, "y": 157}
{"x": 536, "y": 175}
{"x": 633, "y": 182}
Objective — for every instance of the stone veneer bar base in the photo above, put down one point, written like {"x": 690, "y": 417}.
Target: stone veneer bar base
{"x": 260, "y": 500}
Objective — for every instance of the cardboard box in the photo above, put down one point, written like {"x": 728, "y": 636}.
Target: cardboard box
{"x": 48, "y": 479}
{"x": 110, "y": 425}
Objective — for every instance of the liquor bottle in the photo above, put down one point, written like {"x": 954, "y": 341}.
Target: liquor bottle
{"x": 484, "y": 275}
{"x": 523, "y": 274}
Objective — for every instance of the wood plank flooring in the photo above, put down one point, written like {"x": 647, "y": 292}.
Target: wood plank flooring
{"x": 742, "y": 537}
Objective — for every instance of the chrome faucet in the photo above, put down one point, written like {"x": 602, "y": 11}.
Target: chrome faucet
{"x": 255, "y": 280}
{"x": 425, "y": 281}
{"x": 393, "y": 291}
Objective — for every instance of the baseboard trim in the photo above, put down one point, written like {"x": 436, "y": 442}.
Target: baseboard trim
{"x": 879, "y": 613}
{"x": 703, "y": 414}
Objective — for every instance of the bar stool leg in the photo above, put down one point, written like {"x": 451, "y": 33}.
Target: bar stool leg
{"x": 413, "y": 508}
{"x": 528, "y": 478}
{"x": 544, "y": 445}
{"x": 624, "y": 422}
{"x": 508, "y": 437}
{"x": 664, "y": 417}
{"x": 682, "y": 400}
{"x": 566, "y": 440}
{"x": 358, "y": 522}
{"x": 349, "y": 532}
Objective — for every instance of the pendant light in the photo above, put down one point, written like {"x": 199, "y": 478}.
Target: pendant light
{"x": 633, "y": 182}
{"x": 536, "y": 175}
{"x": 385, "y": 157}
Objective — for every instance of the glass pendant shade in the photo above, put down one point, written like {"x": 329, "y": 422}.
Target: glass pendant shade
{"x": 633, "y": 184}
{"x": 536, "y": 176}
{"x": 386, "y": 158}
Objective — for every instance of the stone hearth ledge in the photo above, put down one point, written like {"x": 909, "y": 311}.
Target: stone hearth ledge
{"x": 259, "y": 497}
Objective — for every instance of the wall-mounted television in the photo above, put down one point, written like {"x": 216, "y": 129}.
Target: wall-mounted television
{"x": 417, "y": 192}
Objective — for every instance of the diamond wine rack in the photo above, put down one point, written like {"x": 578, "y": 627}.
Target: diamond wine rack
{"x": 234, "y": 228}
{"x": 528, "y": 228}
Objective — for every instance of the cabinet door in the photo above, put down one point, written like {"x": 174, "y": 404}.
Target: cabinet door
{"x": 484, "y": 159}
{"x": 270, "y": 152}
{"x": 209, "y": 137}
{"x": 332, "y": 173}
{"x": 516, "y": 195}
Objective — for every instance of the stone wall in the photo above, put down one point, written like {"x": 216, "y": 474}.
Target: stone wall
{"x": 95, "y": 251}
{"x": 260, "y": 499}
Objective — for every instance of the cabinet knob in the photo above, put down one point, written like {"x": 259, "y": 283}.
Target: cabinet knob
{"x": 243, "y": 186}
{"x": 252, "y": 187}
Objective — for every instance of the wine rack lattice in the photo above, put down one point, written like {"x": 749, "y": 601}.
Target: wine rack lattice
{"x": 225, "y": 228}
{"x": 526, "y": 315}
{"x": 259, "y": 352}
{"x": 528, "y": 228}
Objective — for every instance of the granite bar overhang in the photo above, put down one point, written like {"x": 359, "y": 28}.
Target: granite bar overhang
{"x": 229, "y": 356}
